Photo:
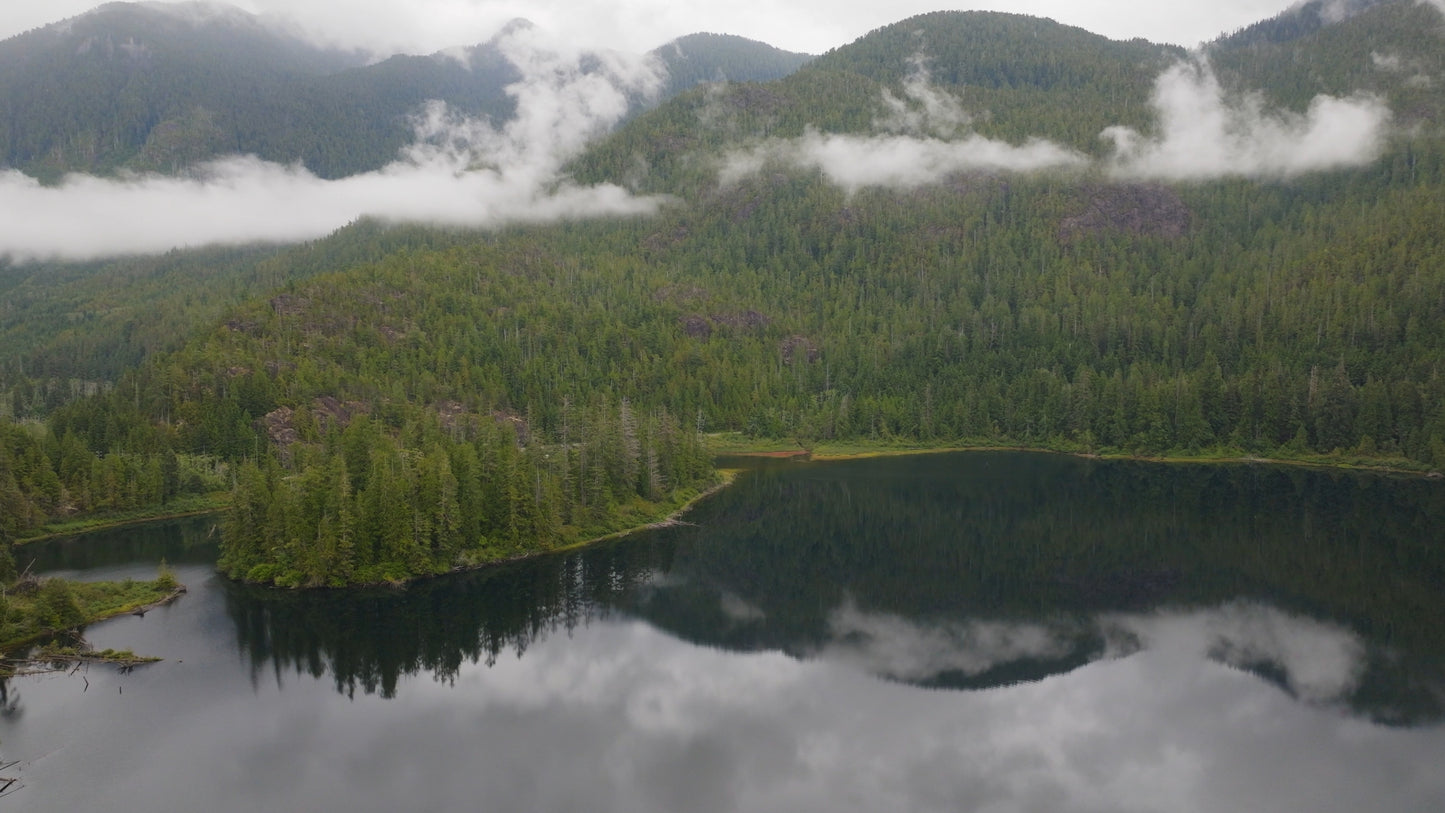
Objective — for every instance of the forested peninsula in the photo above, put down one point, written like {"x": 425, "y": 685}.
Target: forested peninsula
{"x": 391, "y": 403}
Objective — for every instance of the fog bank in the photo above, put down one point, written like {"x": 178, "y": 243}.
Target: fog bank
{"x": 1205, "y": 133}
{"x": 458, "y": 172}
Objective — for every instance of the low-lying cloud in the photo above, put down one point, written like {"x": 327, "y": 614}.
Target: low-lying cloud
{"x": 1337, "y": 11}
{"x": 1204, "y": 133}
{"x": 920, "y": 148}
{"x": 924, "y": 109}
{"x": 459, "y": 172}
{"x": 462, "y": 172}
{"x": 1415, "y": 73}
{"x": 901, "y": 162}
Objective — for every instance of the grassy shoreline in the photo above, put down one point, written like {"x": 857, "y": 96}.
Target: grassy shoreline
{"x": 671, "y": 520}
{"x": 736, "y": 444}
{"x": 177, "y": 509}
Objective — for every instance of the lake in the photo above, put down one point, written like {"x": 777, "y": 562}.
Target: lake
{"x": 981, "y": 631}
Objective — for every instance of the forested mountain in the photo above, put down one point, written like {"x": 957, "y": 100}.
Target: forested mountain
{"x": 698, "y": 58}
{"x": 1387, "y": 47}
{"x": 1022, "y": 76}
{"x": 153, "y": 87}
{"x": 963, "y": 228}
{"x": 147, "y": 86}
{"x": 1016, "y": 77}
{"x": 1299, "y": 20}
{"x": 160, "y": 87}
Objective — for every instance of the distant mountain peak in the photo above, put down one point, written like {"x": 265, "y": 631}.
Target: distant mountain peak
{"x": 197, "y": 11}
{"x": 194, "y": 14}
{"x": 516, "y": 25}
{"x": 706, "y": 57}
{"x": 1302, "y": 19}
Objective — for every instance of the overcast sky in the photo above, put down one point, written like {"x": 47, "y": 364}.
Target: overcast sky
{"x": 813, "y": 26}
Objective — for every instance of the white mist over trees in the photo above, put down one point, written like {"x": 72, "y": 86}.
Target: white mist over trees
{"x": 460, "y": 171}
{"x": 1204, "y": 133}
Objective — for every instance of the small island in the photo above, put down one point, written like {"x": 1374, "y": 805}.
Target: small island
{"x": 49, "y": 613}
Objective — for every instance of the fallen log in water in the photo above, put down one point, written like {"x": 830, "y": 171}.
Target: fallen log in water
{"x": 161, "y": 602}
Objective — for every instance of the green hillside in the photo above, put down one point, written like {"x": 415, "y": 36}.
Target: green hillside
{"x": 1022, "y": 75}
{"x": 69, "y": 325}
{"x": 401, "y": 409}
{"x": 1390, "y": 48}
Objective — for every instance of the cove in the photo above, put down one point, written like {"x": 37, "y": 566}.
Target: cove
{"x": 942, "y": 632}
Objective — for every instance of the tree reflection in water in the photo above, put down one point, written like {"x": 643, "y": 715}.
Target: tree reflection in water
{"x": 967, "y": 571}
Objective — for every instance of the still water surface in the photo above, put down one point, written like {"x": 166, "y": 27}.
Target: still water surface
{"x": 990, "y": 631}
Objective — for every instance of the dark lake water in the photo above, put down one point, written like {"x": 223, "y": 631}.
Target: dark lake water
{"x": 986, "y": 631}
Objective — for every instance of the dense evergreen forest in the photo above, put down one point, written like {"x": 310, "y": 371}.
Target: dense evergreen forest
{"x": 68, "y": 328}
{"x": 388, "y": 404}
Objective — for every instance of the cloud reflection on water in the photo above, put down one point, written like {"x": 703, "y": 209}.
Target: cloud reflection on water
{"x": 618, "y": 715}
{"x": 1315, "y": 661}
{"x": 627, "y": 718}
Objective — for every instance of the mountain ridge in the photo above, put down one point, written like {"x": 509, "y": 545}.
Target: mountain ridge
{"x": 1013, "y": 78}
{"x": 161, "y": 87}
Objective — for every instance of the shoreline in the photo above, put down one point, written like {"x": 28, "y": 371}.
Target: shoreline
{"x": 8, "y": 648}
{"x": 822, "y": 454}
{"x": 120, "y": 522}
{"x": 672, "y": 520}
{"x": 764, "y": 450}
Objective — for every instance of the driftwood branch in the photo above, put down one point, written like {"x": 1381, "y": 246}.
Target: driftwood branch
{"x": 9, "y": 784}
{"x": 161, "y": 602}
{"x": 50, "y": 663}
